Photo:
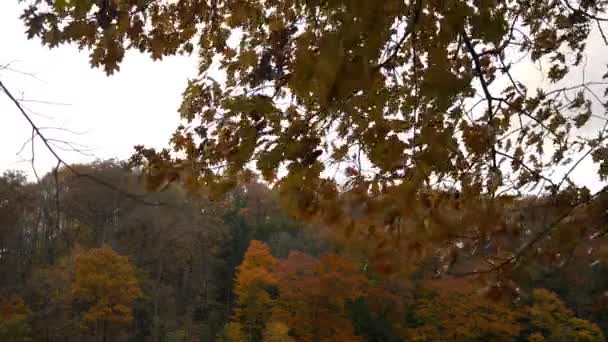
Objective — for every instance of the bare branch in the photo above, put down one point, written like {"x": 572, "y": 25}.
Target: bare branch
{"x": 586, "y": 154}
{"x": 34, "y": 156}
{"x": 516, "y": 257}
{"x": 8, "y": 67}
{"x": 63, "y": 129}
{"x": 529, "y": 169}
{"x": 60, "y": 161}
{"x": 599, "y": 27}
{"x": 411, "y": 26}
{"x": 44, "y": 102}
{"x": 582, "y": 12}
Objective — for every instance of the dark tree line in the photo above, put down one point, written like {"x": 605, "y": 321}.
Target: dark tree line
{"x": 184, "y": 247}
{"x": 81, "y": 261}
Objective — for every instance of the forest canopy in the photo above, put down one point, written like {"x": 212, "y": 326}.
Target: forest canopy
{"x": 98, "y": 265}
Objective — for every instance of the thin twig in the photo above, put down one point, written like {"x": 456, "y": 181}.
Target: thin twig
{"x": 44, "y": 102}
{"x": 589, "y": 151}
{"x": 522, "y": 164}
{"x": 536, "y": 239}
{"x": 33, "y": 156}
{"x": 599, "y": 27}
{"x": 583, "y": 13}
{"x": 411, "y": 25}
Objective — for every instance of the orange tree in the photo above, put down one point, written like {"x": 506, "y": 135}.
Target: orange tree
{"x": 314, "y": 297}
{"x": 399, "y": 98}
{"x": 254, "y": 290}
{"x": 106, "y": 285}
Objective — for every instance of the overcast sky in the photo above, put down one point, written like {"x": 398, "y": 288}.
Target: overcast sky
{"x": 135, "y": 106}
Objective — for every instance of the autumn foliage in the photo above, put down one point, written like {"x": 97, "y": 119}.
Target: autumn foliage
{"x": 456, "y": 311}
{"x": 254, "y": 290}
{"x": 316, "y": 297}
{"x": 311, "y": 296}
{"x": 243, "y": 270}
{"x": 14, "y": 316}
{"x": 106, "y": 284}
{"x": 13, "y": 308}
{"x": 551, "y": 320}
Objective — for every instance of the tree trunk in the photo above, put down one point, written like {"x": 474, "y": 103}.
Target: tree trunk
{"x": 105, "y": 330}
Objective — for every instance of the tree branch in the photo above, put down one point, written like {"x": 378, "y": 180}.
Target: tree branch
{"x": 411, "y": 25}
{"x": 484, "y": 86}
{"x": 36, "y": 132}
{"x": 583, "y": 13}
{"x": 532, "y": 242}
{"x": 498, "y": 50}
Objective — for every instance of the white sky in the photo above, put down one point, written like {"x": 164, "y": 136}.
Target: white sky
{"x": 135, "y": 106}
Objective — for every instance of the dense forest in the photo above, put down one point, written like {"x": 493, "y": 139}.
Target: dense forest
{"x": 83, "y": 261}
{"x": 341, "y": 170}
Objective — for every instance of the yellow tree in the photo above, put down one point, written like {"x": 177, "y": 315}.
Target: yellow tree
{"x": 254, "y": 290}
{"x": 551, "y": 320}
{"x": 453, "y": 317}
{"x": 277, "y": 332}
{"x": 106, "y": 285}
{"x": 455, "y": 310}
